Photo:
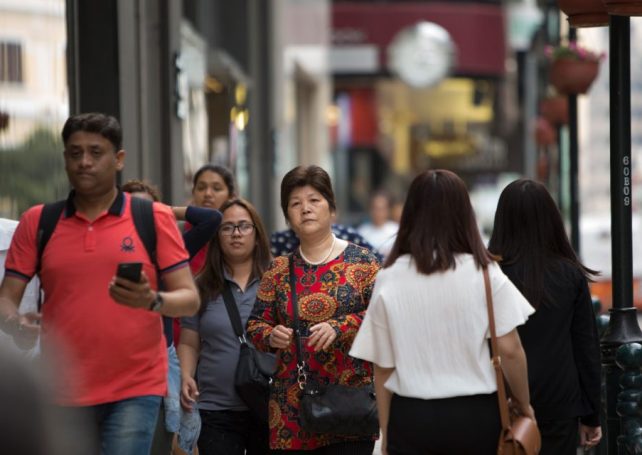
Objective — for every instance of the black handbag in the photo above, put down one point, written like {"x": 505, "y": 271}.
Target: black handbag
{"x": 254, "y": 369}
{"x": 331, "y": 408}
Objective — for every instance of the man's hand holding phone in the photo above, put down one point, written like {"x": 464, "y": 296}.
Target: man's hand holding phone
{"x": 131, "y": 287}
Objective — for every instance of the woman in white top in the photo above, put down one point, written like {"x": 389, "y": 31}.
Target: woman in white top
{"x": 426, "y": 329}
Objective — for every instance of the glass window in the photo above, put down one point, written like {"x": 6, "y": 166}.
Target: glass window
{"x": 10, "y": 62}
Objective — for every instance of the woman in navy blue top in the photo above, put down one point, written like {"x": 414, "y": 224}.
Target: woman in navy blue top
{"x": 560, "y": 339}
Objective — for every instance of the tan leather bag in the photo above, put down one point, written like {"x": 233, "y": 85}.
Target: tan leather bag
{"x": 519, "y": 435}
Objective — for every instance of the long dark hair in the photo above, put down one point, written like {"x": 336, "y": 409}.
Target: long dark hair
{"x": 529, "y": 231}
{"x": 211, "y": 279}
{"x": 437, "y": 223}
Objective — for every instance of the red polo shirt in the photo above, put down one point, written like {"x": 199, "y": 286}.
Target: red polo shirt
{"x": 104, "y": 351}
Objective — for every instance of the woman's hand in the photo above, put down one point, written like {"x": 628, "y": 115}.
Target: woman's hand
{"x": 322, "y": 336}
{"x": 590, "y": 436}
{"x": 281, "y": 337}
{"x": 189, "y": 392}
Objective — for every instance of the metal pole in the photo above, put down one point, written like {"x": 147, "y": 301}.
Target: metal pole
{"x": 529, "y": 109}
{"x": 573, "y": 157}
{"x": 623, "y": 327}
{"x": 620, "y": 71}
{"x": 573, "y": 152}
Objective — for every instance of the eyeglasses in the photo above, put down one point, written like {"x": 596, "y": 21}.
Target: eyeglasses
{"x": 229, "y": 228}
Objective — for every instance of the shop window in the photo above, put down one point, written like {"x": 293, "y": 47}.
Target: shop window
{"x": 10, "y": 62}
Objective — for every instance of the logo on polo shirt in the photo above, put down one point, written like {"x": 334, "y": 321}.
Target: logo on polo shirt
{"x": 127, "y": 245}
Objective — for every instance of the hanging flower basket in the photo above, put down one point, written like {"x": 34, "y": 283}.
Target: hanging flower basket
{"x": 570, "y": 76}
{"x": 624, "y": 7}
{"x": 585, "y": 13}
{"x": 545, "y": 134}
{"x": 554, "y": 109}
{"x": 573, "y": 68}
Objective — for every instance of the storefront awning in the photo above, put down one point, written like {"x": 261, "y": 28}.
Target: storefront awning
{"x": 363, "y": 31}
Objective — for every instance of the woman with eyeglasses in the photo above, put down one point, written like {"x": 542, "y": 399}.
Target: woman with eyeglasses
{"x": 209, "y": 349}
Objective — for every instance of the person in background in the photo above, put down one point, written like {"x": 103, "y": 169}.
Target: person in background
{"x": 560, "y": 339}
{"x": 285, "y": 242}
{"x": 380, "y": 231}
{"x": 396, "y": 210}
{"x": 108, "y": 328}
{"x": 237, "y": 258}
{"x": 212, "y": 186}
{"x": 427, "y": 331}
{"x": 31, "y": 297}
{"x": 334, "y": 280}
{"x": 204, "y": 222}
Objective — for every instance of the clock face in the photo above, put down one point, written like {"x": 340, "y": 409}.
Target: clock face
{"x": 421, "y": 55}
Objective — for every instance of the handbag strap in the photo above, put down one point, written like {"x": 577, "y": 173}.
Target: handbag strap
{"x": 302, "y": 377}
{"x": 233, "y": 312}
{"x": 496, "y": 359}
{"x": 295, "y": 312}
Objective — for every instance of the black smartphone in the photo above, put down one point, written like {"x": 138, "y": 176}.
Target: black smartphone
{"x": 130, "y": 270}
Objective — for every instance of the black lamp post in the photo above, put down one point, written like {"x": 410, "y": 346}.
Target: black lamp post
{"x": 623, "y": 326}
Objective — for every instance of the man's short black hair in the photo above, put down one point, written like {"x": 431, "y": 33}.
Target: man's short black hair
{"x": 94, "y": 122}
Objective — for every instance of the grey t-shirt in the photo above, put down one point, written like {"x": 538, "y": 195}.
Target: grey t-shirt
{"x": 220, "y": 349}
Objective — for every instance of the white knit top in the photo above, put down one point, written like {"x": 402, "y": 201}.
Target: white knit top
{"x": 433, "y": 329}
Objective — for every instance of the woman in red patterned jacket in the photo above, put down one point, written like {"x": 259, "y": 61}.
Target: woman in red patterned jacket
{"x": 334, "y": 281}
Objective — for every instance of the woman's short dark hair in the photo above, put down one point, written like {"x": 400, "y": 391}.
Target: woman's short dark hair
{"x": 141, "y": 186}
{"x": 529, "y": 230}
{"x": 300, "y": 176}
{"x": 94, "y": 122}
{"x": 437, "y": 223}
{"x": 224, "y": 172}
{"x": 211, "y": 279}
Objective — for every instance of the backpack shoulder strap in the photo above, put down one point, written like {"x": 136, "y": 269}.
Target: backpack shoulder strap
{"x": 46, "y": 225}
{"x": 143, "y": 215}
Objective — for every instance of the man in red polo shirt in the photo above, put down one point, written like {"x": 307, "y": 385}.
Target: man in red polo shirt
{"x": 107, "y": 329}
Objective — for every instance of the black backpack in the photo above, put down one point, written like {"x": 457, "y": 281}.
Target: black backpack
{"x": 142, "y": 213}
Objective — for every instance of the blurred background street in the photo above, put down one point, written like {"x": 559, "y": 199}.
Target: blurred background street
{"x": 373, "y": 91}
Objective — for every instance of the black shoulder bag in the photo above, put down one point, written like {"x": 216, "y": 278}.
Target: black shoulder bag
{"x": 254, "y": 369}
{"x": 333, "y": 408}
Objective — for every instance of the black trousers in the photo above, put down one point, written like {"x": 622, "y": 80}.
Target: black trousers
{"x": 232, "y": 433}
{"x": 343, "y": 448}
{"x": 559, "y": 437}
{"x": 460, "y": 425}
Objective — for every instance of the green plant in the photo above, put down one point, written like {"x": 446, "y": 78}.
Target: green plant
{"x": 32, "y": 173}
{"x": 573, "y": 52}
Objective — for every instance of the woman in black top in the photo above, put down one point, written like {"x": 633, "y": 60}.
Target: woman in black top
{"x": 560, "y": 339}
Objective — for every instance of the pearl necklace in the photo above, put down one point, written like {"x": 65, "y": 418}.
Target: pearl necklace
{"x": 334, "y": 240}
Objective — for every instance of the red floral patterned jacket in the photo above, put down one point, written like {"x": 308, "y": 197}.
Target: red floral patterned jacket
{"x": 337, "y": 292}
